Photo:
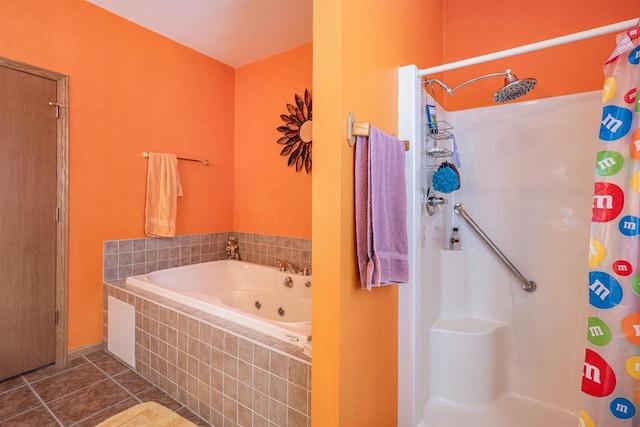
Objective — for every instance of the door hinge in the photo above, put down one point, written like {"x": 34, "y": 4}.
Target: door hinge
{"x": 57, "y": 214}
{"x": 57, "y": 105}
{"x": 57, "y": 316}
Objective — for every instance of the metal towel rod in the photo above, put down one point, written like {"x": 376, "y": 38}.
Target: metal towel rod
{"x": 203, "y": 161}
{"x": 527, "y": 285}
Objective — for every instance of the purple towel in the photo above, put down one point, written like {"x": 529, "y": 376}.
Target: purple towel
{"x": 381, "y": 210}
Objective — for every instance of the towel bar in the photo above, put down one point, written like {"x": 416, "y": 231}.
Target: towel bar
{"x": 361, "y": 129}
{"x": 204, "y": 162}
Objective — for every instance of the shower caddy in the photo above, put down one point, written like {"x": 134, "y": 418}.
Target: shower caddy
{"x": 434, "y": 152}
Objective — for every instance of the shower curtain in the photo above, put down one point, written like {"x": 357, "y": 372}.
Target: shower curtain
{"x": 611, "y": 371}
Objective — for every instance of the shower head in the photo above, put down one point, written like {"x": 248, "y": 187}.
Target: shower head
{"x": 513, "y": 87}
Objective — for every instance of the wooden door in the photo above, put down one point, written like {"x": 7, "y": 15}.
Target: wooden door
{"x": 28, "y": 200}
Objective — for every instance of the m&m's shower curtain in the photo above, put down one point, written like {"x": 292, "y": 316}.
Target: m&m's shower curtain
{"x": 611, "y": 372}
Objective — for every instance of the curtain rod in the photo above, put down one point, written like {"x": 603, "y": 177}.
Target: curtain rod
{"x": 620, "y": 26}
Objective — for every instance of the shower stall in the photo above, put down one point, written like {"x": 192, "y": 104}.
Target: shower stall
{"x": 475, "y": 346}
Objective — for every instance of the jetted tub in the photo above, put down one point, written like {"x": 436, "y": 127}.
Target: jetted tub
{"x": 247, "y": 294}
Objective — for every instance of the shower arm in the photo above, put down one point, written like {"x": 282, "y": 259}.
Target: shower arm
{"x": 450, "y": 91}
{"x": 527, "y": 285}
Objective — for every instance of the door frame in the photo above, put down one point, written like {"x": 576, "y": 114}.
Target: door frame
{"x": 62, "y": 196}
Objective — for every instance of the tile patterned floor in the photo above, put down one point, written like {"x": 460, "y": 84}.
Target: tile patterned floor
{"x": 84, "y": 393}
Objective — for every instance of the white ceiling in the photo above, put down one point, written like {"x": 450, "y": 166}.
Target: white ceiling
{"x": 235, "y": 32}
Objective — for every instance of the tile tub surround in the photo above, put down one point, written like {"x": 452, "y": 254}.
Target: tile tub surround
{"x": 83, "y": 393}
{"x": 265, "y": 249}
{"x": 227, "y": 374}
{"x": 123, "y": 258}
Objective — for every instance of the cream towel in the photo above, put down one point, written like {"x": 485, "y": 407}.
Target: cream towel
{"x": 163, "y": 189}
{"x": 148, "y": 414}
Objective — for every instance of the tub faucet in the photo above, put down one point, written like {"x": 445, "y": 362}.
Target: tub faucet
{"x": 285, "y": 265}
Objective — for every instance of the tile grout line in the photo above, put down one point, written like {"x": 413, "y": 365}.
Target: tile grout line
{"x": 80, "y": 389}
{"x": 99, "y": 412}
{"x": 29, "y": 385}
{"x": 108, "y": 377}
{"x": 111, "y": 377}
{"x": 21, "y": 376}
{"x": 65, "y": 371}
{"x": 117, "y": 383}
{"x": 43, "y": 403}
{"x": 24, "y": 383}
{"x": 55, "y": 374}
{"x": 86, "y": 361}
{"x": 123, "y": 387}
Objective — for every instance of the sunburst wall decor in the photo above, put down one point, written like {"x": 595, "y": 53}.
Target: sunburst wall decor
{"x": 297, "y": 133}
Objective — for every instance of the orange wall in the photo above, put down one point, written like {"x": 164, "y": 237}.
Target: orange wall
{"x": 270, "y": 197}
{"x": 130, "y": 91}
{"x": 475, "y": 28}
{"x": 357, "y": 50}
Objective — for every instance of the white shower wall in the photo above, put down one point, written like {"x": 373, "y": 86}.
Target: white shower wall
{"x": 527, "y": 180}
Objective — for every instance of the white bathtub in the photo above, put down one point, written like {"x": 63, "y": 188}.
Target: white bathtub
{"x": 247, "y": 294}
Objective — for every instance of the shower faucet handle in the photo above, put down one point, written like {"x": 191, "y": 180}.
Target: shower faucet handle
{"x": 433, "y": 203}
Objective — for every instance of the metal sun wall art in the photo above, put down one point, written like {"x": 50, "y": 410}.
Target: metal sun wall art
{"x": 297, "y": 133}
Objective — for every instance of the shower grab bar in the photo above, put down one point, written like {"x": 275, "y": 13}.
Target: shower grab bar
{"x": 527, "y": 285}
